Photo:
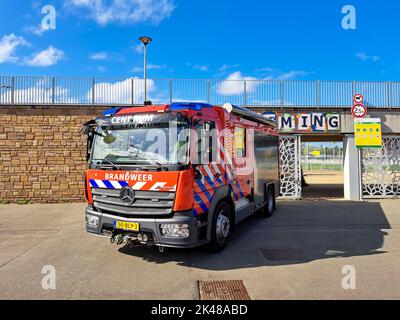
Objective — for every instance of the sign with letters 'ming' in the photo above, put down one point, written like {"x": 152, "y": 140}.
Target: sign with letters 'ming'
{"x": 306, "y": 122}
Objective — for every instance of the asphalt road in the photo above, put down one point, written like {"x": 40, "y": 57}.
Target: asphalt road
{"x": 299, "y": 253}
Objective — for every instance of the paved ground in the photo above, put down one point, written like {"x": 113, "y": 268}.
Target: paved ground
{"x": 323, "y": 184}
{"x": 324, "y": 235}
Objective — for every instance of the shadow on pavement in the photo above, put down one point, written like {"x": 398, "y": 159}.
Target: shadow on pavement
{"x": 299, "y": 232}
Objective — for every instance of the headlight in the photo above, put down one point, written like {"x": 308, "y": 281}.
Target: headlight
{"x": 175, "y": 230}
{"x": 92, "y": 221}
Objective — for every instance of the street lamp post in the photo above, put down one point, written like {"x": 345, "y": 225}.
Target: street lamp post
{"x": 145, "y": 41}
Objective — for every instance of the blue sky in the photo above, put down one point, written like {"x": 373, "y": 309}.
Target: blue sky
{"x": 203, "y": 39}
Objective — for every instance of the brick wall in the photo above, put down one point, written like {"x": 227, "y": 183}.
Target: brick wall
{"x": 42, "y": 154}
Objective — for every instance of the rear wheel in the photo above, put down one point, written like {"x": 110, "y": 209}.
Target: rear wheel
{"x": 221, "y": 227}
{"x": 269, "y": 207}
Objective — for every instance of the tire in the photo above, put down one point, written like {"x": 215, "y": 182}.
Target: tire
{"x": 269, "y": 208}
{"x": 221, "y": 227}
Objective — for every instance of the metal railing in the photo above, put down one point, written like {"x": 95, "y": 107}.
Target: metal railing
{"x": 30, "y": 90}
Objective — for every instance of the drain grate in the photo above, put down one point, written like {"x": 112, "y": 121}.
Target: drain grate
{"x": 223, "y": 290}
{"x": 281, "y": 254}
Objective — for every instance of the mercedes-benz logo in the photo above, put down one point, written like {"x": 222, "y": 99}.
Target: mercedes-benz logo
{"x": 127, "y": 196}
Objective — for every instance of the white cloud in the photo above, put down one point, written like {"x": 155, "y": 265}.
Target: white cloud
{"x": 39, "y": 92}
{"x": 99, "y": 56}
{"x": 139, "y": 48}
{"x": 156, "y": 66}
{"x": 37, "y": 30}
{"x": 121, "y": 92}
{"x": 293, "y": 74}
{"x": 276, "y": 74}
{"x": 365, "y": 57}
{"x": 137, "y": 69}
{"x": 45, "y": 58}
{"x": 200, "y": 67}
{"x": 8, "y": 45}
{"x": 234, "y": 85}
{"x": 150, "y": 67}
{"x": 123, "y": 11}
{"x": 226, "y": 67}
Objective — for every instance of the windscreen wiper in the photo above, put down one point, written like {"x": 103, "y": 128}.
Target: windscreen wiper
{"x": 112, "y": 163}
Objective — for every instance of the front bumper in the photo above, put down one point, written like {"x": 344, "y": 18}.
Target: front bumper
{"x": 152, "y": 226}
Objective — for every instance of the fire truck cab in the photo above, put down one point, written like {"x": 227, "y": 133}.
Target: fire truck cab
{"x": 178, "y": 175}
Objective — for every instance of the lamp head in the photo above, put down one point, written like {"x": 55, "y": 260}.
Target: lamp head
{"x": 145, "y": 40}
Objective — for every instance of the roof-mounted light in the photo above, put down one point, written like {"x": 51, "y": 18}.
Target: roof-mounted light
{"x": 110, "y": 112}
{"x": 228, "y": 107}
{"x": 189, "y": 105}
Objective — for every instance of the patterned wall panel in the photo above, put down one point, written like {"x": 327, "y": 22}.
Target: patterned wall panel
{"x": 381, "y": 170}
{"x": 290, "y": 167}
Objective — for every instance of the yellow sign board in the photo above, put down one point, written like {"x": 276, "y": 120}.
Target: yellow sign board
{"x": 368, "y": 133}
{"x": 316, "y": 153}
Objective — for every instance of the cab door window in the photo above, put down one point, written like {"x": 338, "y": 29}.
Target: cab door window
{"x": 240, "y": 142}
{"x": 206, "y": 142}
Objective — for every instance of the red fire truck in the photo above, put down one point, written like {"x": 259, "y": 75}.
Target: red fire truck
{"x": 179, "y": 175}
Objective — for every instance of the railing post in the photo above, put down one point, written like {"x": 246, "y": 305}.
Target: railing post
{"x": 389, "y": 95}
{"x": 318, "y": 97}
{"x": 53, "y": 90}
{"x": 208, "y": 91}
{"x": 170, "y": 91}
{"x": 282, "y": 96}
{"x": 132, "y": 92}
{"x": 245, "y": 93}
{"x": 12, "y": 90}
{"x": 93, "y": 93}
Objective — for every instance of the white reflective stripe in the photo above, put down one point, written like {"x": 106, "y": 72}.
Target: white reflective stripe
{"x": 209, "y": 172}
{"x": 222, "y": 149}
{"x": 229, "y": 174}
{"x": 173, "y": 188}
{"x": 101, "y": 184}
{"x": 230, "y": 171}
{"x": 116, "y": 184}
{"x": 138, "y": 185}
{"x": 157, "y": 186}
{"x": 216, "y": 168}
{"x": 228, "y": 159}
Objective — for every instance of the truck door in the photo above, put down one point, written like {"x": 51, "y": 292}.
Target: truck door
{"x": 243, "y": 161}
{"x": 209, "y": 173}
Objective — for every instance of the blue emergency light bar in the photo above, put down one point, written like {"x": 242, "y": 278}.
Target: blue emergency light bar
{"x": 189, "y": 105}
{"x": 110, "y": 112}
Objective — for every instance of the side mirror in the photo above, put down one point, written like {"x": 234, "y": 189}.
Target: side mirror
{"x": 84, "y": 130}
{"x": 88, "y": 130}
{"x": 87, "y": 127}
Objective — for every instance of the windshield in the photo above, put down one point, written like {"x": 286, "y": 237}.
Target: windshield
{"x": 164, "y": 143}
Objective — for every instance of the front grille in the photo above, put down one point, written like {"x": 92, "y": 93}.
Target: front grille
{"x": 147, "y": 203}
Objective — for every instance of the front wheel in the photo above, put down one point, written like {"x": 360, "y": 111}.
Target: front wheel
{"x": 221, "y": 227}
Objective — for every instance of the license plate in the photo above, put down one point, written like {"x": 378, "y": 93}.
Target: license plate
{"x": 130, "y": 226}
